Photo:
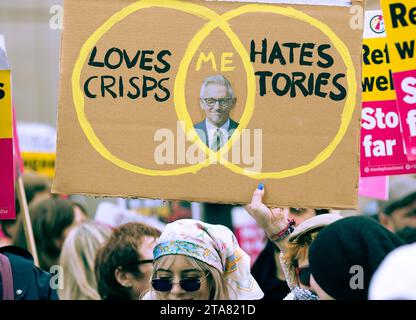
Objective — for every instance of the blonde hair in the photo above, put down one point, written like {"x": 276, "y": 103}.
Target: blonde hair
{"x": 77, "y": 261}
{"x": 219, "y": 288}
{"x": 299, "y": 249}
{"x": 295, "y": 251}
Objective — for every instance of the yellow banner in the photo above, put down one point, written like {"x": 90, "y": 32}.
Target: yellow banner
{"x": 42, "y": 163}
{"x": 400, "y": 23}
{"x": 377, "y": 74}
{"x": 6, "y": 129}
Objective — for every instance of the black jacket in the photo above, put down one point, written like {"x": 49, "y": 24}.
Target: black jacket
{"x": 29, "y": 282}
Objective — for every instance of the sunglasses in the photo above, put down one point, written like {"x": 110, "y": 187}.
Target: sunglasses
{"x": 304, "y": 275}
{"x": 189, "y": 285}
{"x": 144, "y": 261}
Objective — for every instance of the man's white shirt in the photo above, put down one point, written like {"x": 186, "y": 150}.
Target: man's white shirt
{"x": 211, "y": 129}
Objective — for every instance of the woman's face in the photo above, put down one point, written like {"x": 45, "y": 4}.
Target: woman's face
{"x": 180, "y": 269}
{"x": 138, "y": 284}
{"x": 142, "y": 284}
{"x": 301, "y": 214}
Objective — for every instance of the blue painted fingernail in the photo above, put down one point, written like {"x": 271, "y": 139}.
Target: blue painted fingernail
{"x": 260, "y": 186}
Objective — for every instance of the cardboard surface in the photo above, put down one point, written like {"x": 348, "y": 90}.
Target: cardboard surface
{"x": 113, "y": 141}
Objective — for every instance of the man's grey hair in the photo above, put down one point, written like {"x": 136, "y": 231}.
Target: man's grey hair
{"x": 218, "y": 80}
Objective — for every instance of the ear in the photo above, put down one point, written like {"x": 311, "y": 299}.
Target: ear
{"x": 234, "y": 102}
{"x": 386, "y": 221}
{"x": 123, "y": 277}
{"x": 201, "y": 103}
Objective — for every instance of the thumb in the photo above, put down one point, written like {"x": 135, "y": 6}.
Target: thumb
{"x": 258, "y": 195}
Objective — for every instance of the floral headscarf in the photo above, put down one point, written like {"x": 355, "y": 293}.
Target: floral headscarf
{"x": 215, "y": 245}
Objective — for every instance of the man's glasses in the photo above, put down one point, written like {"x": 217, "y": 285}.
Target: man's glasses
{"x": 223, "y": 102}
{"x": 304, "y": 275}
{"x": 189, "y": 285}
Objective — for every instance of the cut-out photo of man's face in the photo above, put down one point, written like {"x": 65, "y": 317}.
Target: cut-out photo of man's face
{"x": 217, "y": 99}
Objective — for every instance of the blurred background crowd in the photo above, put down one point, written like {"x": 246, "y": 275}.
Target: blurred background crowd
{"x": 105, "y": 245}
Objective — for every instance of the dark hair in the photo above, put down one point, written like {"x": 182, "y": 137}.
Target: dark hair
{"x": 120, "y": 251}
{"x": 302, "y": 210}
{"x": 49, "y": 217}
{"x": 321, "y": 211}
{"x": 407, "y": 234}
{"x": 33, "y": 184}
{"x": 401, "y": 203}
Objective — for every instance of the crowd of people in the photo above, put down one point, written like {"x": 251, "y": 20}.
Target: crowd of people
{"x": 310, "y": 254}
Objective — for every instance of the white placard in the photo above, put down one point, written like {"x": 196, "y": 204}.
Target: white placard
{"x": 374, "y": 24}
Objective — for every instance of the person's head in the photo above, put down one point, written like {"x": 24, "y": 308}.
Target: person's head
{"x": 345, "y": 255}
{"x": 296, "y": 255}
{"x": 400, "y": 213}
{"x": 197, "y": 260}
{"x": 77, "y": 260}
{"x": 400, "y": 210}
{"x": 123, "y": 266}
{"x": 217, "y": 99}
{"x": 52, "y": 219}
{"x": 36, "y": 187}
{"x": 180, "y": 277}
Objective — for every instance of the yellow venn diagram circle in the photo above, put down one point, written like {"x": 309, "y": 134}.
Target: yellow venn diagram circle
{"x": 214, "y": 21}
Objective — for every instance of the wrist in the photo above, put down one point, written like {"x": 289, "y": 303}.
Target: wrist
{"x": 276, "y": 228}
{"x": 285, "y": 229}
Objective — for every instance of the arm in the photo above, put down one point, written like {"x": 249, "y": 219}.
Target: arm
{"x": 272, "y": 221}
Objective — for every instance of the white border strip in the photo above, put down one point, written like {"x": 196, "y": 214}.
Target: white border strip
{"x": 338, "y": 3}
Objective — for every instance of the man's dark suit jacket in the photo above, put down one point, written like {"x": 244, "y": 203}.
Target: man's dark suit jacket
{"x": 201, "y": 129}
{"x": 29, "y": 282}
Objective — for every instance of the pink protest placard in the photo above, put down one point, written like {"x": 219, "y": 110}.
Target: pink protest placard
{"x": 374, "y": 187}
{"x": 7, "y": 209}
{"x": 382, "y": 149}
{"x": 405, "y": 83}
{"x": 7, "y": 206}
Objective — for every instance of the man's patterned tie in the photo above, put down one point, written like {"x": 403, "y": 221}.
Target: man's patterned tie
{"x": 218, "y": 140}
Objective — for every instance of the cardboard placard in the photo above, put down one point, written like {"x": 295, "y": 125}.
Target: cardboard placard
{"x": 282, "y": 82}
{"x": 400, "y": 22}
{"x": 7, "y": 206}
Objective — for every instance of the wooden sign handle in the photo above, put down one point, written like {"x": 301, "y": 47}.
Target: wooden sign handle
{"x": 27, "y": 223}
